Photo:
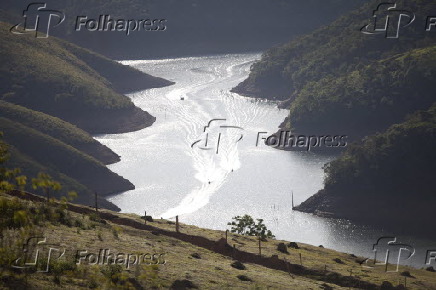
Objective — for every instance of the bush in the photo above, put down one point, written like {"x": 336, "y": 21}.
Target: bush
{"x": 245, "y": 225}
{"x": 282, "y": 248}
{"x": 112, "y": 273}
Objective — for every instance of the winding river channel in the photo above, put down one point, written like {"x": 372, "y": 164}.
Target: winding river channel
{"x": 201, "y": 159}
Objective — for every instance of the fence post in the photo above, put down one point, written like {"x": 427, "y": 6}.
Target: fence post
{"x": 145, "y": 217}
{"x": 227, "y": 232}
{"x": 234, "y": 251}
{"x": 287, "y": 267}
{"x": 260, "y": 249}
{"x": 177, "y": 223}
{"x": 96, "y": 201}
{"x": 387, "y": 261}
{"x": 301, "y": 260}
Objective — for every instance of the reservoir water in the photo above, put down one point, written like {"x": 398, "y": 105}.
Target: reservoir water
{"x": 200, "y": 159}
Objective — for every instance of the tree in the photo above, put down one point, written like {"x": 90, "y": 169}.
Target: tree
{"x": 246, "y": 225}
{"x": 9, "y": 178}
{"x": 46, "y": 182}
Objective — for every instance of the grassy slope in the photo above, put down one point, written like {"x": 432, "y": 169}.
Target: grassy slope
{"x": 31, "y": 168}
{"x": 58, "y": 129}
{"x": 393, "y": 172}
{"x": 211, "y": 271}
{"x": 123, "y": 79}
{"x": 63, "y": 158}
{"x": 56, "y": 78}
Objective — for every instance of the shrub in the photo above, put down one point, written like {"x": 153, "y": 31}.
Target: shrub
{"x": 245, "y": 225}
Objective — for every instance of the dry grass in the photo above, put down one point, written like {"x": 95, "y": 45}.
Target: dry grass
{"x": 210, "y": 271}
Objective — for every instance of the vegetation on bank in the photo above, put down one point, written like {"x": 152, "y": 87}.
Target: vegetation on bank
{"x": 338, "y": 80}
{"x": 62, "y": 158}
{"x": 61, "y": 80}
{"x": 53, "y": 94}
{"x": 28, "y": 166}
{"x": 369, "y": 98}
{"x": 58, "y": 129}
{"x": 390, "y": 174}
{"x": 238, "y": 26}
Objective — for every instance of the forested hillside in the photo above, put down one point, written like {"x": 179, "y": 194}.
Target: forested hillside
{"x": 236, "y": 25}
{"x": 60, "y": 79}
{"x": 338, "y": 80}
{"x": 388, "y": 180}
{"x": 53, "y": 95}
{"x": 333, "y": 50}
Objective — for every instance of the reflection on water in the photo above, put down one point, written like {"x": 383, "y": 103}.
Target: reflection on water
{"x": 173, "y": 177}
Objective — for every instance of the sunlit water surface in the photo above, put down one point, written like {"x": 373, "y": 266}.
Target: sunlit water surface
{"x": 206, "y": 188}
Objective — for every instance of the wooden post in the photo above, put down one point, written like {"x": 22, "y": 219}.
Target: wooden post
{"x": 145, "y": 217}
{"x": 234, "y": 251}
{"x": 301, "y": 260}
{"x": 227, "y": 232}
{"x": 405, "y": 282}
{"x": 287, "y": 267}
{"x": 325, "y": 268}
{"x": 177, "y": 224}
{"x": 292, "y": 200}
{"x": 96, "y": 201}
{"x": 260, "y": 249}
{"x": 387, "y": 261}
